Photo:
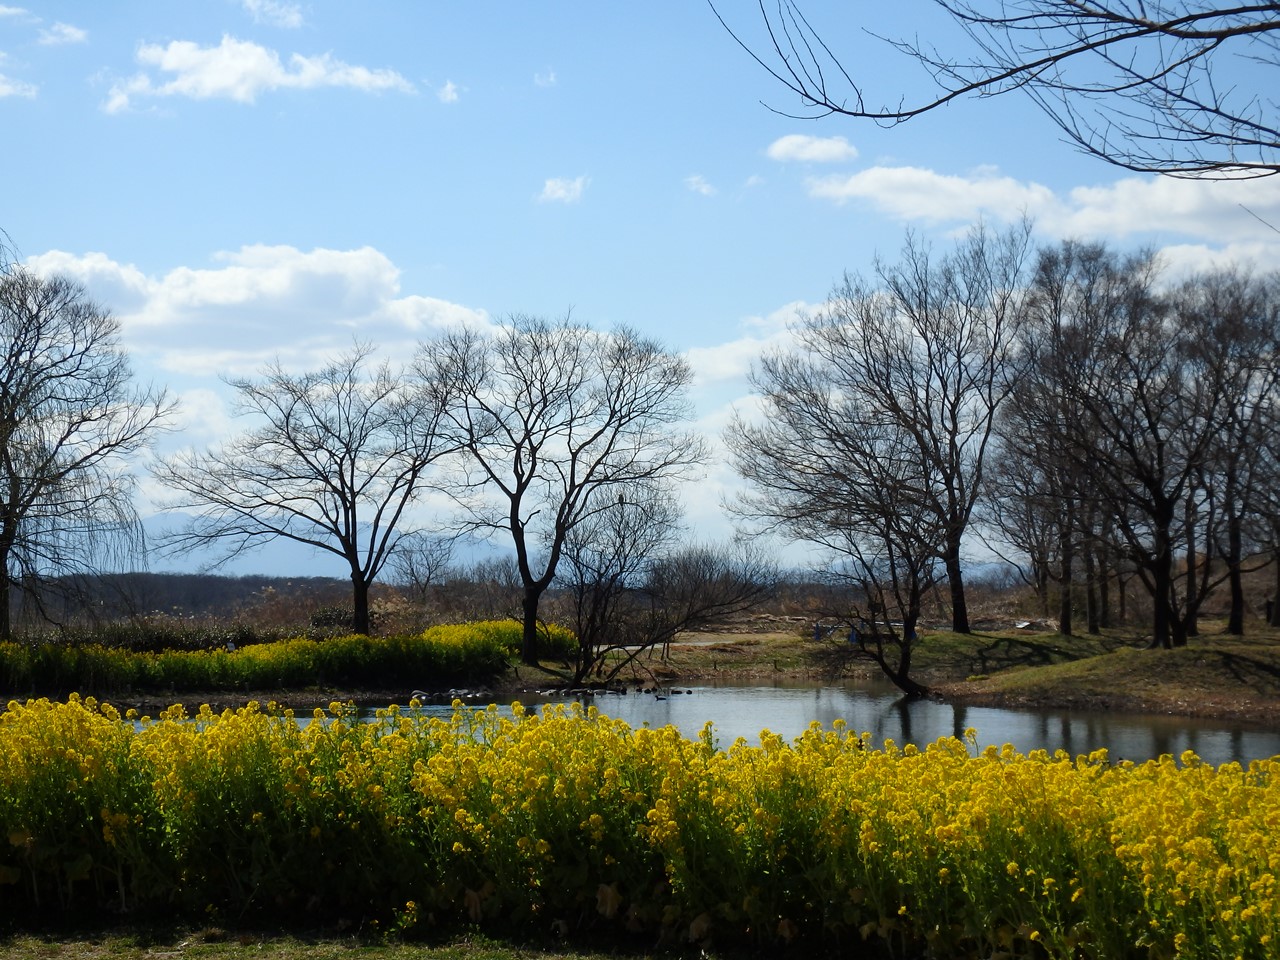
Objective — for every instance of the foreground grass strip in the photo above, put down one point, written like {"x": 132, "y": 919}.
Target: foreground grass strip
{"x": 216, "y": 944}
{"x": 576, "y": 824}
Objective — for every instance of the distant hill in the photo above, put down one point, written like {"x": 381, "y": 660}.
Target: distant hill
{"x": 278, "y": 557}
{"x": 112, "y": 597}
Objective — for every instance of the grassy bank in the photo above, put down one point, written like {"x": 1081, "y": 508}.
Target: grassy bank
{"x": 1215, "y": 675}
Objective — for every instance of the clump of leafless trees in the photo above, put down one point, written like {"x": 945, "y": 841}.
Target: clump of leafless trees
{"x": 1144, "y": 423}
{"x": 563, "y": 442}
{"x": 1071, "y": 406}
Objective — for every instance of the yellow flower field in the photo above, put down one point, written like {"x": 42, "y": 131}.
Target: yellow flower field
{"x": 570, "y": 821}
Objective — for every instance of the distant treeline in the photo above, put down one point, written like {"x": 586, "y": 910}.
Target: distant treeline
{"x": 88, "y": 601}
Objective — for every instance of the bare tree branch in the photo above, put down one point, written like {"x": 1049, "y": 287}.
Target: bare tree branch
{"x": 1177, "y": 88}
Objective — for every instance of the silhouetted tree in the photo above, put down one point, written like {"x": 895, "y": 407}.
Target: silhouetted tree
{"x": 918, "y": 361}
{"x": 335, "y": 460}
{"x": 823, "y": 468}
{"x": 71, "y": 421}
{"x": 555, "y": 420}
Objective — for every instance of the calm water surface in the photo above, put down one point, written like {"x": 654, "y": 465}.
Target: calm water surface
{"x": 876, "y": 708}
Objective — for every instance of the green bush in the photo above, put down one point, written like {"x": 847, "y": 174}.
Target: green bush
{"x": 439, "y": 657}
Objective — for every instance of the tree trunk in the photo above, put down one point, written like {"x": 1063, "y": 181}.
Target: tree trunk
{"x": 6, "y": 594}
{"x": 529, "y": 640}
{"x": 901, "y": 677}
{"x": 1092, "y": 618}
{"x": 1104, "y": 587}
{"x": 1190, "y": 621}
{"x": 1235, "y": 549}
{"x": 1275, "y": 594}
{"x": 1168, "y": 630}
{"x": 1066, "y": 551}
{"x": 359, "y": 604}
{"x": 959, "y": 608}
{"x": 1041, "y": 574}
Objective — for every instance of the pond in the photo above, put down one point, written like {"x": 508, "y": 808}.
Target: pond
{"x": 876, "y": 708}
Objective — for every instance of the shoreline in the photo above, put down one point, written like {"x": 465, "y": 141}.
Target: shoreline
{"x": 1260, "y": 713}
{"x": 1219, "y": 679}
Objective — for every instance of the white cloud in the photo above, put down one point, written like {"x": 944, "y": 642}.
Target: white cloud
{"x": 1229, "y": 212}
{"x": 61, "y": 33}
{"x": 10, "y": 87}
{"x": 729, "y": 363}
{"x": 797, "y": 147}
{"x": 121, "y": 287}
{"x": 240, "y": 70}
{"x": 12, "y": 11}
{"x": 297, "y": 305}
{"x": 205, "y": 415}
{"x": 1181, "y": 260}
{"x": 547, "y": 79}
{"x": 913, "y": 193}
{"x": 276, "y": 13}
{"x": 698, "y": 184}
{"x": 448, "y": 93}
{"x": 563, "y": 190}
{"x": 415, "y": 314}
{"x": 16, "y": 88}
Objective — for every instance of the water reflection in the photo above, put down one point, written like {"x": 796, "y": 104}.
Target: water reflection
{"x": 874, "y": 708}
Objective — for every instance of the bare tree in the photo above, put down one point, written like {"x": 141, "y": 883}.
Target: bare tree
{"x": 1133, "y": 396}
{"x": 421, "y": 561}
{"x": 1023, "y": 509}
{"x": 335, "y": 460}
{"x": 1266, "y": 525}
{"x": 1237, "y": 319}
{"x": 825, "y": 469}
{"x": 1159, "y": 87}
{"x": 633, "y": 589}
{"x": 488, "y": 589}
{"x": 70, "y": 422}
{"x": 696, "y": 587}
{"x": 922, "y": 353}
{"x": 606, "y": 558}
{"x": 556, "y": 420}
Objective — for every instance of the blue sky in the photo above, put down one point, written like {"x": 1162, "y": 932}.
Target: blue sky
{"x": 246, "y": 180}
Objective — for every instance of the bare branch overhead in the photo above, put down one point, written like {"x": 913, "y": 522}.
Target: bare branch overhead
{"x": 1177, "y": 88}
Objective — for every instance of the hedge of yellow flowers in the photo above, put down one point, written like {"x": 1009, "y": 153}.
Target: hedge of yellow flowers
{"x": 444, "y": 654}
{"x": 570, "y": 820}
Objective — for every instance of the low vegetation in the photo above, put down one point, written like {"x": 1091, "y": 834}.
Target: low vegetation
{"x": 575, "y": 823}
{"x": 435, "y": 658}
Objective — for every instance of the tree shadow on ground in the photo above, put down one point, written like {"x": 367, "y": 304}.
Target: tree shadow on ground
{"x": 1253, "y": 674}
{"x": 1004, "y": 652}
